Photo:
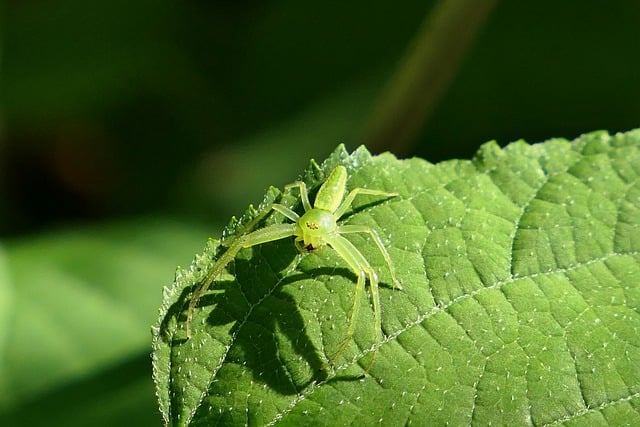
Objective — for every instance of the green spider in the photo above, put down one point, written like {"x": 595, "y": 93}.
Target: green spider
{"x": 318, "y": 226}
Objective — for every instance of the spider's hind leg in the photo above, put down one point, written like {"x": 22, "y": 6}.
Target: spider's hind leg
{"x": 354, "y": 228}
{"x": 361, "y": 267}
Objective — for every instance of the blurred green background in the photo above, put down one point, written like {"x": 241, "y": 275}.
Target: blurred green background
{"x": 131, "y": 131}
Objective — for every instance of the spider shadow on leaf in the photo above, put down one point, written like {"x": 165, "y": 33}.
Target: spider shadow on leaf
{"x": 269, "y": 333}
{"x": 255, "y": 310}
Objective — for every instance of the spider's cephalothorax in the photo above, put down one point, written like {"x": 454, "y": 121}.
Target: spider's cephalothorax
{"x": 313, "y": 228}
{"x": 317, "y": 227}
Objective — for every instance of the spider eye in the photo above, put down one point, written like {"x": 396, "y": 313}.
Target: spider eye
{"x": 312, "y": 225}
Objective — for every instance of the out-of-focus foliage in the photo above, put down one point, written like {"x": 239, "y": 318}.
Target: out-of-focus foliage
{"x": 115, "y": 107}
{"x": 189, "y": 110}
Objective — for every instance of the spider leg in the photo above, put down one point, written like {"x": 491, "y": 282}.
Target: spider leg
{"x": 359, "y": 264}
{"x": 264, "y": 235}
{"x": 346, "y": 203}
{"x": 299, "y": 244}
{"x": 261, "y": 216}
{"x": 285, "y": 211}
{"x": 304, "y": 195}
{"x": 354, "y": 228}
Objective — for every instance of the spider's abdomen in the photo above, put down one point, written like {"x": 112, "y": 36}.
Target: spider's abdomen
{"x": 314, "y": 226}
{"x": 332, "y": 190}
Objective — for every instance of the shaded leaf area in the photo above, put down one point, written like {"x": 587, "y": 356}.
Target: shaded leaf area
{"x": 521, "y": 300}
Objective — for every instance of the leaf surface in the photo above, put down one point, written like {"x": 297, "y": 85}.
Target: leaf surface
{"x": 521, "y": 300}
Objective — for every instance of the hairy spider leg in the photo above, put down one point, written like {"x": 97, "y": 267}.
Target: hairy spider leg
{"x": 304, "y": 195}
{"x": 354, "y": 228}
{"x": 285, "y": 211}
{"x": 234, "y": 247}
{"x": 359, "y": 264}
{"x": 264, "y": 235}
{"x": 261, "y": 216}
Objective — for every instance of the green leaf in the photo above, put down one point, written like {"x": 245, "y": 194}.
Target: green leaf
{"x": 77, "y": 303}
{"x": 521, "y": 300}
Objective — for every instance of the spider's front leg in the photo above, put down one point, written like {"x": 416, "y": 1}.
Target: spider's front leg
{"x": 304, "y": 195}
{"x": 267, "y": 234}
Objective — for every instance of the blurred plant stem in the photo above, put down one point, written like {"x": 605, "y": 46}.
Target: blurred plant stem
{"x": 423, "y": 74}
